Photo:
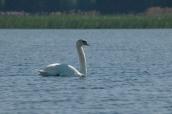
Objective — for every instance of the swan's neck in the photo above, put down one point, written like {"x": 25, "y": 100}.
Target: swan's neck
{"x": 82, "y": 60}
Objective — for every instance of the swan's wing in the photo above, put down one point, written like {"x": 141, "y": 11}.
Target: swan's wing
{"x": 51, "y": 69}
{"x": 60, "y": 69}
{"x": 68, "y": 70}
{"x": 53, "y": 65}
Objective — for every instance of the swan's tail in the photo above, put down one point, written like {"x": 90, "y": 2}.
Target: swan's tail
{"x": 42, "y": 73}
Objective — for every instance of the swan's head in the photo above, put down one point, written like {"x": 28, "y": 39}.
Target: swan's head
{"x": 82, "y": 43}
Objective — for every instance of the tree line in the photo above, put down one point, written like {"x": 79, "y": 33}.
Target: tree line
{"x": 102, "y": 6}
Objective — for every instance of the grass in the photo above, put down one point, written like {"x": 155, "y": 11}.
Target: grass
{"x": 83, "y": 21}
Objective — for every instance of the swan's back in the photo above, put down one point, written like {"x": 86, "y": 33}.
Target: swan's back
{"x": 60, "y": 70}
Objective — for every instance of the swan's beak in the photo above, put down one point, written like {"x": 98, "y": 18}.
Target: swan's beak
{"x": 85, "y": 43}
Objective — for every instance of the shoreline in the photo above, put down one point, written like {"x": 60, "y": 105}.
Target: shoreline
{"x": 85, "y": 22}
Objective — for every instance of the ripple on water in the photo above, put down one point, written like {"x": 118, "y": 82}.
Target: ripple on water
{"x": 130, "y": 73}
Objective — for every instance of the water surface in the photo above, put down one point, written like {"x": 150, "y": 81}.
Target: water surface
{"x": 129, "y": 72}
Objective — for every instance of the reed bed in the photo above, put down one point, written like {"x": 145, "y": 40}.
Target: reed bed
{"x": 84, "y": 21}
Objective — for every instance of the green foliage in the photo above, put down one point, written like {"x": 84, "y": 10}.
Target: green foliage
{"x": 83, "y": 21}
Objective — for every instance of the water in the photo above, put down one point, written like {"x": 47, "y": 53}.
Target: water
{"x": 129, "y": 72}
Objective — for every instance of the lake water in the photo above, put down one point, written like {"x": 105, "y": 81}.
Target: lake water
{"x": 129, "y": 72}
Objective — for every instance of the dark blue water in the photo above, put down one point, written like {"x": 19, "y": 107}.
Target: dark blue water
{"x": 129, "y": 72}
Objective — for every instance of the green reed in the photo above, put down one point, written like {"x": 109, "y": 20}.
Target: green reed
{"x": 86, "y": 21}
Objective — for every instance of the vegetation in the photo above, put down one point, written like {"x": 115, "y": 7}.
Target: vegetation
{"x": 85, "y": 13}
{"x": 84, "y": 21}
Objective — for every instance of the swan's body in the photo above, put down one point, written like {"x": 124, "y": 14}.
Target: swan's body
{"x": 58, "y": 69}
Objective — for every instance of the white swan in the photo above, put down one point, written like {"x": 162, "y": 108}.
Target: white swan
{"x": 58, "y": 69}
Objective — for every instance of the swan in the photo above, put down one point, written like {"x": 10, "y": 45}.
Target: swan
{"x": 58, "y": 69}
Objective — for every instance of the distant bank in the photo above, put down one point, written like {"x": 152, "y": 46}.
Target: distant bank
{"x": 84, "y": 21}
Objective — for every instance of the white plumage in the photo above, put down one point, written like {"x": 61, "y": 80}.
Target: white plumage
{"x": 58, "y": 69}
